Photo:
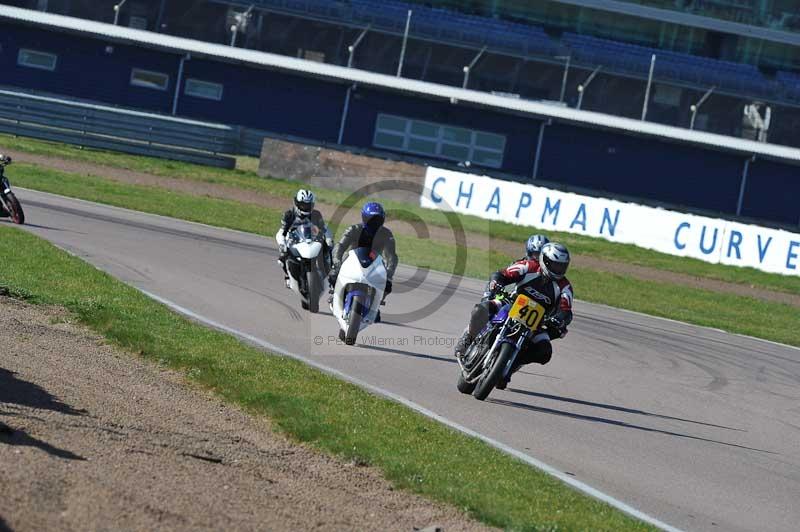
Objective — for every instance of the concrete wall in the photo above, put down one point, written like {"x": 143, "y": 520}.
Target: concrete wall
{"x": 324, "y": 167}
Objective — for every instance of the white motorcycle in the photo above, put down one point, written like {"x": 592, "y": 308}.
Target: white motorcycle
{"x": 305, "y": 263}
{"x": 358, "y": 293}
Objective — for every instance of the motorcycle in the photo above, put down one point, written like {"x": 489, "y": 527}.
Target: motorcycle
{"x": 491, "y": 356}
{"x": 9, "y": 204}
{"x": 305, "y": 263}
{"x": 358, "y": 293}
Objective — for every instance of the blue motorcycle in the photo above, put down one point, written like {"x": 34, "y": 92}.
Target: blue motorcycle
{"x": 491, "y": 356}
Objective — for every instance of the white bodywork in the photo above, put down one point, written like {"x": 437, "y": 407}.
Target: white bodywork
{"x": 306, "y": 250}
{"x": 352, "y": 272}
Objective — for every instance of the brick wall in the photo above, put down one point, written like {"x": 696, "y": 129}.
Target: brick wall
{"x": 342, "y": 170}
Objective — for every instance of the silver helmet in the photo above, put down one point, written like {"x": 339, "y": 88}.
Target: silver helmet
{"x": 555, "y": 261}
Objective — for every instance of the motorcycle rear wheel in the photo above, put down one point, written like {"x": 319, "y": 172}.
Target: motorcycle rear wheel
{"x": 16, "y": 213}
{"x": 486, "y": 384}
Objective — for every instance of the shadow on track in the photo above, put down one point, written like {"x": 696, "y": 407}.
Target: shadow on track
{"x": 409, "y": 353}
{"x": 14, "y": 391}
{"x": 595, "y": 419}
{"x": 48, "y": 228}
{"x": 618, "y": 408}
{"x": 4, "y": 526}
{"x": 10, "y": 436}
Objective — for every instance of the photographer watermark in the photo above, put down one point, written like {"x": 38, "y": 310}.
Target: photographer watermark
{"x": 457, "y": 238}
{"x": 366, "y": 339}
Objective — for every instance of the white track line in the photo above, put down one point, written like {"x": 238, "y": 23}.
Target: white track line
{"x": 577, "y": 484}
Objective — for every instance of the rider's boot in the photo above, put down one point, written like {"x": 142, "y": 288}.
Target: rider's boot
{"x": 463, "y": 344}
{"x": 282, "y": 262}
{"x": 330, "y": 297}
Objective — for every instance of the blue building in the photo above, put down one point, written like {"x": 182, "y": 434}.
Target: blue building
{"x": 396, "y": 117}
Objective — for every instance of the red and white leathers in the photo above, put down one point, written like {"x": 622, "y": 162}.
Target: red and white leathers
{"x": 555, "y": 296}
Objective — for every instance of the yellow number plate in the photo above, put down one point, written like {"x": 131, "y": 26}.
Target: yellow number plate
{"x": 527, "y": 311}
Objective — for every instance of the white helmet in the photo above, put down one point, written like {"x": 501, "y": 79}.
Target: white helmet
{"x": 555, "y": 261}
{"x": 304, "y": 202}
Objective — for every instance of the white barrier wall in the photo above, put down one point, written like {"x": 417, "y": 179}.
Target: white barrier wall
{"x": 675, "y": 233}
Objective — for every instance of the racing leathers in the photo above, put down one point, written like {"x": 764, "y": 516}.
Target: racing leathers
{"x": 290, "y": 218}
{"x": 357, "y": 236}
{"x": 554, "y": 295}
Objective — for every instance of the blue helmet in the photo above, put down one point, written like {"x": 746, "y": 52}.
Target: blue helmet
{"x": 534, "y": 245}
{"x": 373, "y": 216}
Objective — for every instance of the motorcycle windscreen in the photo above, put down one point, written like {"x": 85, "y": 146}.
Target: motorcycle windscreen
{"x": 306, "y": 231}
{"x": 365, "y": 256}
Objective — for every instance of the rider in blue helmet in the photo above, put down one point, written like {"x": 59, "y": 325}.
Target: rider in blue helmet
{"x": 372, "y": 234}
{"x": 534, "y": 245}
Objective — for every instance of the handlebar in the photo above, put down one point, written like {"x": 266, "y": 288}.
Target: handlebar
{"x": 5, "y": 160}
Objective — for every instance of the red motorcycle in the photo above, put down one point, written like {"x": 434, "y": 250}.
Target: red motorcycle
{"x": 9, "y": 204}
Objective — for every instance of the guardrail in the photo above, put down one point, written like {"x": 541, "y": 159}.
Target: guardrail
{"x": 140, "y": 133}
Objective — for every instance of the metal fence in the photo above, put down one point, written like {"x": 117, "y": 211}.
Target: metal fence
{"x": 123, "y": 130}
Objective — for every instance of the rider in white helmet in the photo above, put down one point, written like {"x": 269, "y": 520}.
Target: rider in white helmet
{"x": 303, "y": 209}
{"x": 545, "y": 281}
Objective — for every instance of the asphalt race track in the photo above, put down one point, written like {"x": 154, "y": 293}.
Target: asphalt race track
{"x": 695, "y": 427}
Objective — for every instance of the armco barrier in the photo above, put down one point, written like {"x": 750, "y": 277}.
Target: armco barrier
{"x": 122, "y": 130}
{"x": 675, "y": 233}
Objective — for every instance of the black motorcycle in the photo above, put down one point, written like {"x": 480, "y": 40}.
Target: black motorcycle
{"x": 9, "y": 204}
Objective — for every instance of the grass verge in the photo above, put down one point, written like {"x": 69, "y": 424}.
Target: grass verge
{"x": 415, "y": 453}
{"x": 247, "y": 179}
{"x": 728, "y": 312}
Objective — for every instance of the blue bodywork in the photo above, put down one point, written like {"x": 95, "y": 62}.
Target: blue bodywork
{"x": 365, "y": 297}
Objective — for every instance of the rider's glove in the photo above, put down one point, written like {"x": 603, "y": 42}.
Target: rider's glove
{"x": 491, "y": 289}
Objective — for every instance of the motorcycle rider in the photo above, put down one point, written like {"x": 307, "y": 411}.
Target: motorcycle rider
{"x": 546, "y": 283}
{"x": 303, "y": 210}
{"x": 533, "y": 250}
{"x": 372, "y": 234}
{"x": 4, "y": 160}
{"x": 533, "y": 247}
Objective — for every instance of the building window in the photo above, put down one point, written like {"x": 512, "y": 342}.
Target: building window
{"x": 203, "y": 89}
{"x": 421, "y": 137}
{"x": 139, "y": 23}
{"x": 149, "y": 79}
{"x": 34, "y": 59}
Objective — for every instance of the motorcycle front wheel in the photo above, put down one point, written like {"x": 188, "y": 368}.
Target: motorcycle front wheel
{"x": 15, "y": 209}
{"x": 354, "y": 324}
{"x": 487, "y": 383}
{"x": 314, "y": 286}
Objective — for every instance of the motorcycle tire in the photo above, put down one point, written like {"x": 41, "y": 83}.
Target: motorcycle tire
{"x": 485, "y": 385}
{"x": 354, "y": 324}
{"x": 16, "y": 213}
{"x": 464, "y": 386}
{"x": 314, "y": 285}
